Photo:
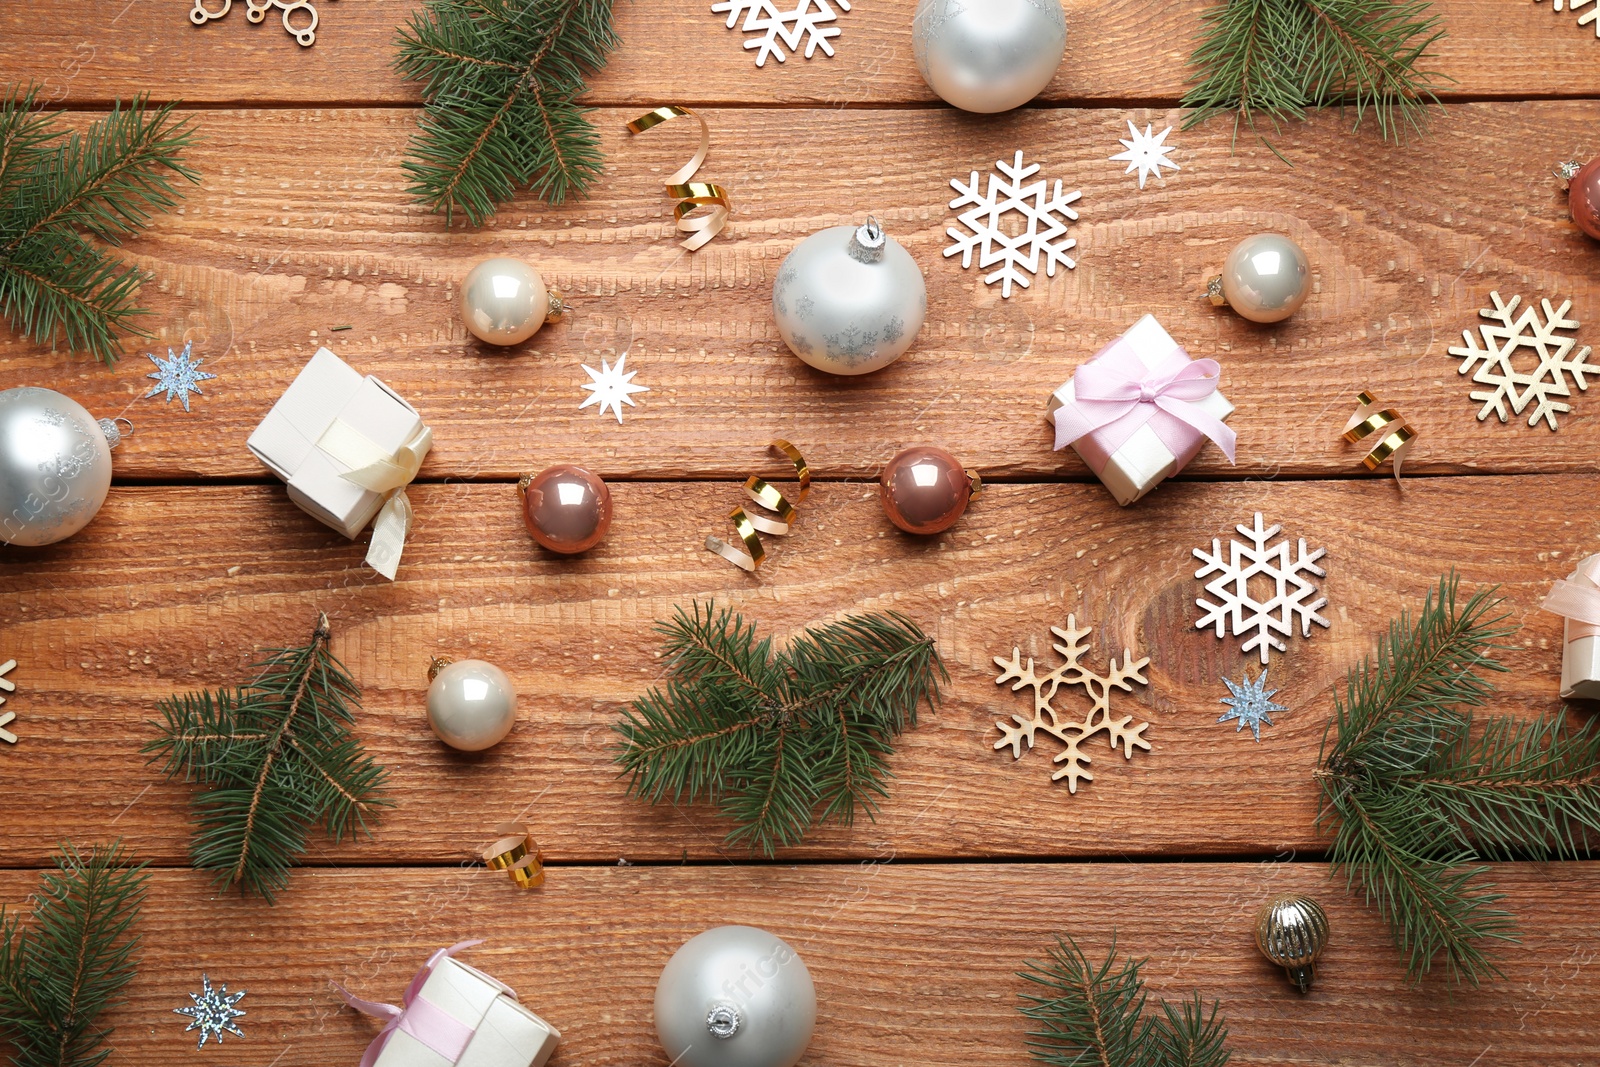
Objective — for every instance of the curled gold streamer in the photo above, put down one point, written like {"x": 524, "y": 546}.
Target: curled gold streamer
{"x": 767, "y": 496}
{"x": 691, "y": 196}
{"x": 1395, "y": 434}
{"x": 515, "y": 852}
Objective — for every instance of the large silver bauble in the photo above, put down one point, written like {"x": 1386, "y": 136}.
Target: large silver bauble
{"x": 849, "y": 300}
{"x": 472, "y": 705}
{"x": 55, "y": 466}
{"x": 504, "y": 301}
{"x": 735, "y": 996}
{"x": 988, "y": 55}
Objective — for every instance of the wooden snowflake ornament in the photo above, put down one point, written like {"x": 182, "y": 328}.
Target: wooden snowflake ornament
{"x": 10, "y": 687}
{"x": 1072, "y": 733}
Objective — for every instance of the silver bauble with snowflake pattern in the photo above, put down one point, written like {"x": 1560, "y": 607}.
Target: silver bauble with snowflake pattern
{"x": 735, "y": 996}
{"x": 849, "y": 299}
{"x": 55, "y": 466}
{"x": 988, "y": 55}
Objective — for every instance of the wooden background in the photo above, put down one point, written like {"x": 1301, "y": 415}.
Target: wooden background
{"x": 913, "y": 925}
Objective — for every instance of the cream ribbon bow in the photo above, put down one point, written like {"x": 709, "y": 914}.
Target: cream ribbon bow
{"x": 382, "y": 472}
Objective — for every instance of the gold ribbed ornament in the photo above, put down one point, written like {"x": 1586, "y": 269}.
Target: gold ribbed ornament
{"x": 1291, "y": 931}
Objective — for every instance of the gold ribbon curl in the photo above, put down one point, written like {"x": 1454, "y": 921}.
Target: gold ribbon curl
{"x": 515, "y": 853}
{"x": 1395, "y": 434}
{"x": 768, "y": 497}
{"x": 691, "y": 196}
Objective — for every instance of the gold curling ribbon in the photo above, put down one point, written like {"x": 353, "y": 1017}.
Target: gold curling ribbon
{"x": 767, "y": 496}
{"x": 515, "y": 853}
{"x": 691, "y": 195}
{"x": 1396, "y": 434}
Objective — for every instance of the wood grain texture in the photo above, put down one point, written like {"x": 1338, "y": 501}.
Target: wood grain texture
{"x": 914, "y": 965}
{"x": 88, "y": 53}
{"x": 303, "y": 225}
{"x": 172, "y": 589}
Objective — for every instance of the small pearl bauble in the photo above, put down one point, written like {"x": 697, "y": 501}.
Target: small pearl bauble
{"x": 1583, "y": 195}
{"x": 1266, "y": 278}
{"x": 925, "y": 490}
{"x": 849, "y": 300}
{"x": 566, "y": 508}
{"x": 735, "y": 996}
{"x": 1291, "y": 931}
{"x": 505, "y": 302}
{"x": 988, "y": 55}
{"x": 55, "y": 466}
{"x": 472, "y": 705}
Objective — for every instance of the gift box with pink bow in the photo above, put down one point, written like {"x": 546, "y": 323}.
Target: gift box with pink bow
{"x": 1577, "y": 599}
{"x": 1140, "y": 410}
{"x": 453, "y": 1015}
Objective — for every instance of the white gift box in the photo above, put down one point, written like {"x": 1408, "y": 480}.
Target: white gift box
{"x": 1144, "y": 461}
{"x": 503, "y": 1032}
{"x": 1580, "y": 658}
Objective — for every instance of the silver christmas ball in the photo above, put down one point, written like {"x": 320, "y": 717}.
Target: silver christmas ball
{"x": 849, "y": 299}
{"x": 472, "y": 705}
{"x": 1266, "y": 278}
{"x": 55, "y": 466}
{"x": 1292, "y": 931}
{"x": 504, "y": 301}
{"x": 988, "y": 55}
{"x": 735, "y": 996}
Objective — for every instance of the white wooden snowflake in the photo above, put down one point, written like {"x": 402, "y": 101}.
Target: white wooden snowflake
{"x": 1045, "y": 232}
{"x": 1590, "y": 17}
{"x": 1265, "y": 620}
{"x": 779, "y": 30}
{"x": 1145, "y": 153}
{"x": 10, "y": 687}
{"x": 1513, "y": 390}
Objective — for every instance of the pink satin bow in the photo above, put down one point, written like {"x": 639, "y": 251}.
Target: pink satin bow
{"x": 417, "y": 1016}
{"x": 1578, "y": 600}
{"x": 1115, "y": 394}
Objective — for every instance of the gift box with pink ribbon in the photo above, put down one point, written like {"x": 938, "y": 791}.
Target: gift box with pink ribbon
{"x": 1140, "y": 410}
{"x": 1576, "y": 598}
{"x": 454, "y": 1015}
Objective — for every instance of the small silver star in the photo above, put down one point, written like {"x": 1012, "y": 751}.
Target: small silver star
{"x": 178, "y": 375}
{"x": 1144, "y": 153}
{"x": 610, "y": 387}
{"x": 1251, "y": 704}
{"x": 213, "y": 1012}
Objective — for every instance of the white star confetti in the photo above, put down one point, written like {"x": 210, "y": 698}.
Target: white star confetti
{"x": 1145, "y": 154}
{"x": 177, "y": 375}
{"x": 610, "y": 387}
{"x": 1251, "y": 704}
{"x": 213, "y": 1012}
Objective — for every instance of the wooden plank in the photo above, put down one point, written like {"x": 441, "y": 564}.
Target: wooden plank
{"x": 912, "y": 964}
{"x": 304, "y": 225}
{"x": 172, "y": 589}
{"x": 1117, "y": 52}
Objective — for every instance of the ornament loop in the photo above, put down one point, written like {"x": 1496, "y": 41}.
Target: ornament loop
{"x": 558, "y": 306}
{"x": 869, "y": 242}
{"x": 723, "y": 1021}
{"x": 114, "y": 435}
{"x": 437, "y": 664}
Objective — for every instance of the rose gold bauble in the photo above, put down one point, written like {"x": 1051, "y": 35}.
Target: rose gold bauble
{"x": 1583, "y": 198}
{"x": 924, "y": 490}
{"x": 567, "y": 509}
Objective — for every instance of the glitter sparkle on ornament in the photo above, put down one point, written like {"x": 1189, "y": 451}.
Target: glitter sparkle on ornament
{"x": 1144, "y": 153}
{"x": 1251, "y": 704}
{"x": 212, "y": 1012}
{"x": 610, "y": 387}
{"x": 1043, "y": 230}
{"x": 177, "y": 375}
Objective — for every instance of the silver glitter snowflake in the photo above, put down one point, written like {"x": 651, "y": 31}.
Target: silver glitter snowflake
{"x": 1496, "y": 365}
{"x": 780, "y": 30}
{"x": 212, "y": 1012}
{"x": 1264, "y": 620}
{"x": 177, "y": 375}
{"x": 1251, "y": 704}
{"x": 610, "y": 387}
{"x": 1043, "y": 228}
{"x": 1144, "y": 153}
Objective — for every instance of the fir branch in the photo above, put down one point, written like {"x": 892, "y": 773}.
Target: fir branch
{"x": 500, "y": 84}
{"x": 55, "y": 187}
{"x": 1283, "y": 58}
{"x": 1094, "y": 1014}
{"x": 774, "y": 736}
{"x": 1421, "y": 792}
{"x": 59, "y": 973}
{"x": 276, "y": 758}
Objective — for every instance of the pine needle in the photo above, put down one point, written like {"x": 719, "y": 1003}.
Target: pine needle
{"x": 62, "y": 970}
{"x": 277, "y": 758}
{"x": 772, "y": 737}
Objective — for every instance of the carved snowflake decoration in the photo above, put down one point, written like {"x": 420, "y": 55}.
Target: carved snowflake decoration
{"x": 779, "y": 30}
{"x": 1266, "y": 620}
{"x": 610, "y": 387}
{"x": 177, "y": 375}
{"x": 10, "y": 687}
{"x": 1251, "y": 704}
{"x": 212, "y": 1012}
{"x": 1495, "y": 367}
{"x": 1044, "y": 233}
{"x": 1591, "y": 17}
{"x": 1071, "y": 733}
{"x": 1144, "y": 153}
